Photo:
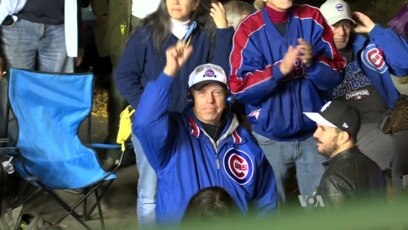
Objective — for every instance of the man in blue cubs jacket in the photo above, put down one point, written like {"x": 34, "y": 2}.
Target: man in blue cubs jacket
{"x": 367, "y": 83}
{"x": 202, "y": 147}
{"x": 282, "y": 61}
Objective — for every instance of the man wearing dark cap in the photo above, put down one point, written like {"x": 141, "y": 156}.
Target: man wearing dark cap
{"x": 349, "y": 173}
{"x": 202, "y": 147}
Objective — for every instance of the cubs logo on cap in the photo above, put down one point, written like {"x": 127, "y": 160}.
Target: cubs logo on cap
{"x": 209, "y": 73}
{"x": 205, "y": 74}
{"x": 336, "y": 10}
{"x": 340, "y": 7}
{"x": 238, "y": 166}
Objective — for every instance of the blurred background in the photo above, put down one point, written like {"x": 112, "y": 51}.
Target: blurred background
{"x": 379, "y": 10}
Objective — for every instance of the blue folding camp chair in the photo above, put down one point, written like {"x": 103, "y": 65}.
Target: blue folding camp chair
{"x": 49, "y": 107}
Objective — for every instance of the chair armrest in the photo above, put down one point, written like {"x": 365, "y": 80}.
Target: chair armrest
{"x": 110, "y": 146}
{"x": 103, "y": 146}
{"x": 9, "y": 151}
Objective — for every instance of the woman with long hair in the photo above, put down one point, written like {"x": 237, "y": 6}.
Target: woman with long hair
{"x": 201, "y": 24}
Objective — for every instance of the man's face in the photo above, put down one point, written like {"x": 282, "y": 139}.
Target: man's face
{"x": 326, "y": 140}
{"x": 209, "y": 103}
{"x": 341, "y": 33}
{"x": 279, "y": 5}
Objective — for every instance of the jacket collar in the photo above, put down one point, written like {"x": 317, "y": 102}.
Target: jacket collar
{"x": 230, "y": 127}
{"x": 346, "y": 153}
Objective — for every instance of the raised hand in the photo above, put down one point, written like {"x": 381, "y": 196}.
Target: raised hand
{"x": 176, "y": 56}
{"x": 364, "y": 24}
{"x": 217, "y": 12}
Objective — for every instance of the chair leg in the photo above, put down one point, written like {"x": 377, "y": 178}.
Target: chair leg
{"x": 101, "y": 219}
{"x": 87, "y": 213}
{"x": 83, "y": 199}
{"x": 70, "y": 210}
{"x": 102, "y": 195}
{"x": 85, "y": 206}
{"x": 16, "y": 198}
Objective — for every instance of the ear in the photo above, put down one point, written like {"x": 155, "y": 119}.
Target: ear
{"x": 190, "y": 98}
{"x": 344, "y": 137}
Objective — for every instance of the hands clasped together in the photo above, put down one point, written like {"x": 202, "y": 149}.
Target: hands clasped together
{"x": 302, "y": 51}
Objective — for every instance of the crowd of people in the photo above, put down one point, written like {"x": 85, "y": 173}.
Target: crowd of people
{"x": 230, "y": 95}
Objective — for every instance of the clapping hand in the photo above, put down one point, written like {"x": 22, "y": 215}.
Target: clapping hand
{"x": 305, "y": 52}
{"x": 288, "y": 61}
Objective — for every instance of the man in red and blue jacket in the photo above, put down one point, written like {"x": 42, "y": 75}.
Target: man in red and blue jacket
{"x": 284, "y": 62}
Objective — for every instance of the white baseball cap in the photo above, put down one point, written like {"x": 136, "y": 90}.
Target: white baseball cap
{"x": 336, "y": 10}
{"x": 205, "y": 74}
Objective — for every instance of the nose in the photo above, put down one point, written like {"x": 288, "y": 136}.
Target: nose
{"x": 341, "y": 30}
{"x": 316, "y": 134}
{"x": 210, "y": 98}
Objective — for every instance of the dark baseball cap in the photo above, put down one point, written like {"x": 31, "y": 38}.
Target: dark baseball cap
{"x": 338, "y": 114}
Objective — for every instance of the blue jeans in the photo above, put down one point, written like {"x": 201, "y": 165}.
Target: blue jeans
{"x": 8, "y": 123}
{"x": 303, "y": 154}
{"x": 29, "y": 44}
{"x": 146, "y": 188}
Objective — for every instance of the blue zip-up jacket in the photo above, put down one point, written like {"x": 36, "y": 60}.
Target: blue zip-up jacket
{"x": 274, "y": 102}
{"x": 382, "y": 54}
{"x": 141, "y": 63}
{"x": 187, "y": 160}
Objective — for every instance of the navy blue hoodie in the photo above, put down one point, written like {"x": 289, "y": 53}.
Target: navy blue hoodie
{"x": 141, "y": 62}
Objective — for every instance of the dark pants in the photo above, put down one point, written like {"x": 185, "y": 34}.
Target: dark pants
{"x": 8, "y": 125}
{"x": 400, "y": 159}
